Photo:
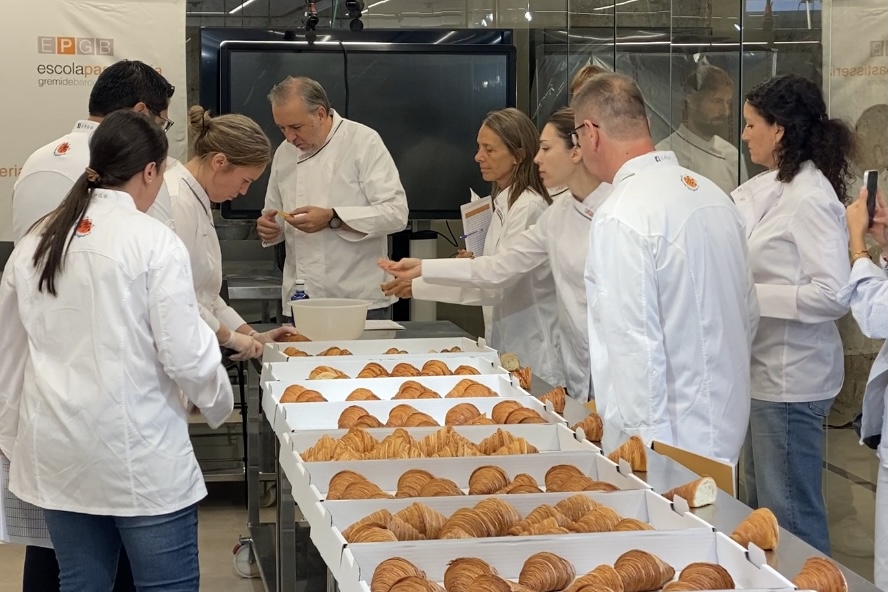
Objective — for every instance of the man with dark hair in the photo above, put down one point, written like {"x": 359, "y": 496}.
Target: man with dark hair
{"x": 51, "y": 171}
{"x": 697, "y": 142}
{"x": 672, "y": 306}
{"x": 46, "y": 178}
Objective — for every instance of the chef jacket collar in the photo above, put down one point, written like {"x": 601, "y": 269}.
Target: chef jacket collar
{"x": 337, "y": 121}
{"x": 121, "y": 198}
{"x": 593, "y": 201}
{"x": 84, "y": 126}
{"x": 755, "y": 198}
{"x": 639, "y": 163}
{"x": 198, "y": 191}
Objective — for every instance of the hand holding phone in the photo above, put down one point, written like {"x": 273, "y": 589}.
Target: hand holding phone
{"x": 871, "y": 180}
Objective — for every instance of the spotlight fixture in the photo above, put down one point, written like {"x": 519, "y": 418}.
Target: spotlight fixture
{"x": 311, "y": 23}
{"x": 355, "y": 9}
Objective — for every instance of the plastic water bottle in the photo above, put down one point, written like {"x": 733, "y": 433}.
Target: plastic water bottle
{"x": 298, "y": 294}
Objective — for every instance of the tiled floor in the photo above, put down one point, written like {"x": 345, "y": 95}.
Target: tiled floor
{"x": 222, "y": 519}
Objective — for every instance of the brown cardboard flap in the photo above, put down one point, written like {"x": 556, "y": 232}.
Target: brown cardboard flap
{"x": 722, "y": 473}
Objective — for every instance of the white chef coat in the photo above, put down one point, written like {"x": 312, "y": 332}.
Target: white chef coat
{"x": 90, "y": 413}
{"x": 522, "y": 315}
{"x": 354, "y": 174}
{"x": 194, "y": 225}
{"x": 558, "y": 240}
{"x": 717, "y": 159}
{"x": 672, "y": 309}
{"x": 50, "y": 173}
{"x": 798, "y": 251}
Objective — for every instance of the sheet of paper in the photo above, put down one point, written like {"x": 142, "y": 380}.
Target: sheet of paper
{"x": 382, "y": 325}
{"x": 20, "y": 522}
{"x": 476, "y": 216}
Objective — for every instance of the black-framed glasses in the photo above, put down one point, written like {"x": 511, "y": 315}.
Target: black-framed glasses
{"x": 165, "y": 123}
{"x": 575, "y": 134}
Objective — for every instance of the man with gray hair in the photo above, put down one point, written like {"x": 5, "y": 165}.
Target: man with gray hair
{"x": 337, "y": 188}
{"x": 672, "y": 306}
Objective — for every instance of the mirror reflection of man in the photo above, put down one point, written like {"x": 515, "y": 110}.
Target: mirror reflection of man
{"x": 698, "y": 143}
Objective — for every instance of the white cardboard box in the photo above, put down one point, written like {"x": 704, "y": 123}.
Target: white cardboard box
{"x": 678, "y": 548}
{"x": 301, "y": 368}
{"x": 386, "y": 388}
{"x": 307, "y": 416}
{"x": 375, "y": 348}
{"x": 546, "y": 438}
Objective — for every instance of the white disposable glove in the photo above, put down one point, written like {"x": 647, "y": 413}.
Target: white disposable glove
{"x": 246, "y": 347}
{"x": 273, "y": 335}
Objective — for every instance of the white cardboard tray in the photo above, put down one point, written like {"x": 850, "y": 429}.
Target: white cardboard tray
{"x": 375, "y": 348}
{"x": 386, "y": 388}
{"x": 294, "y": 417}
{"x": 546, "y": 438}
{"x": 301, "y": 368}
{"x": 678, "y": 548}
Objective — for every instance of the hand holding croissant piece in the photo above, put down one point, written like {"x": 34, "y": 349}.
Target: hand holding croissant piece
{"x": 759, "y": 528}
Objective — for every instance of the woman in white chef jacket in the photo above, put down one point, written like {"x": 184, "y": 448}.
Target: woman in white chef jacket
{"x": 227, "y": 154}
{"x": 557, "y": 240}
{"x": 521, "y": 317}
{"x": 867, "y": 292}
{"x": 798, "y": 242}
{"x": 100, "y": 336}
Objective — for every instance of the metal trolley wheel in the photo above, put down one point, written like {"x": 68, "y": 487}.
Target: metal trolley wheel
{"x": 268, "y": 497}
{"x": 244, "y": 561}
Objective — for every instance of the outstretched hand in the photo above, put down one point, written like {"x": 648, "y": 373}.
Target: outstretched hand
{"x": 405, "y": 269}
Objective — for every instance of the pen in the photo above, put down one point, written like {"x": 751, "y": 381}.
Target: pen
{"x": 465, "y": 236}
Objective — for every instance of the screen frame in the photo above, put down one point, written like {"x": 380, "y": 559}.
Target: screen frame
{"x": 228, "y": 47}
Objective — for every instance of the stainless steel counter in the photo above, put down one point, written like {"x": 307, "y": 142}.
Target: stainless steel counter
{"x": 663, "y": 474}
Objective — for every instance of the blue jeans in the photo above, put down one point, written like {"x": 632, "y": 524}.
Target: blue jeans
{"x": 162, "y": 550}
{"x": 783, "y": 466}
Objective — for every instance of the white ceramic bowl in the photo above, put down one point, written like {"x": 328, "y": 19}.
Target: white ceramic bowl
{"x": 330, "y": 319}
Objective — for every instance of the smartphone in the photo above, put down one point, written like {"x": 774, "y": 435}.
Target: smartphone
{"x": 871, "y": 181}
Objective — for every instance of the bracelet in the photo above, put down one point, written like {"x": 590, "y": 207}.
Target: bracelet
{"x": 859, "y": 255}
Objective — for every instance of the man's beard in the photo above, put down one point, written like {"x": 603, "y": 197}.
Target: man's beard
{"x": 711, "y": 127}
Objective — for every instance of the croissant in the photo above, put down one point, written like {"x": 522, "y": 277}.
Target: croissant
{"x": 394, "y": 351}
{"x": 476, "y": 389}
{"x": 403, "y": 370}
{"x": 632, "y": 451}
{"x": 326, "y": 373}
{"x": 429, "y": 394}
{"x": 373, "y": 370}
{"x": 390, "y": 571}
{"x": 351, "y": 414}
{"x": 487, "y": 480}
{"x": 759, "y": 528}
{"x": 524, "y": 376}
{"x": 357, "y": 439}
{"x": 408, "y": 392}
{"x": 461, "y": 572}
{"x": 331, "y": 351}
{"x": 424, "y": 519}
{"x": 294, "y": 338}
{"x": 363, "y": 490}
{"x": 706, "y": 576}
{"x": 482, "y": 420}
{"x": 440, "y": 488}
{"x": 435, "y": 368}
{"x": 292, "y": 352}
{"x": 496, "y": 441}
{"x": 547, "y": 526}
{"x": 349, "y": 455}
{"x": 310, "y": 397}
{"x": 367, "y": 421}
{"x": 468, "y": 521}
{"x": 821, "y": 575}
{"x": 546, "y": 572}
{"x": 576, "y": 506}
{"x": 362, "y": 394}
{"x": 415, "y": 584}
{"x": 601, "y": 519}
{"x": 502, "y": 410}
{"x": 340, "y": 481}
{"x": 603, "y": 577}
{"x": 322, "y": 451}
{"x": 557, "y": 397}
{"x": 525, "y": 415}
{"x": 380, "y": 517}
{"x": 418, "y": 420}
{"x": 498, "y": 516}
{"x": 291, "y": 393}
{"x": 519, "y": 446}
{"x": 404, "y": 531}
{"x": 461, "y": 414}
{"x": 698, "y": 493}
{"x": 642, "y": 572}
{"x": 515, "y": 489}
{"x": 592, "y": 426}
{"x": 490, "y": 583}
{"x": 559, "y": 474}
{"x": 680, "y": 586}
{"x": 411, "y": 483}
{"x": 525, "y": 479}
{"x": 466, "y": 371}
{"x": 373, "y": 533}
{"x": 399, "y": 414}
{"x": 630, "y": 524}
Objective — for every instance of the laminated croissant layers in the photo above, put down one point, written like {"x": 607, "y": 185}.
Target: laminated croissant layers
{"x": 492, "y": 517}
{"x": 632, "y": 451}
{"x": 358, "y": 444}
{"x": 821, "y": 575}
{"x": 698, "y": 493}
{"x": 546, "y": 572}
{"x": 593, "y": 427}
{"x": 760, "y": 528}
{"x": 557, "y": 397}
{"x": 390, "y": 571}
{"x": 643, "y": 572}
{"x": 702, "y": 576}
{"x": 294, "y": 338}
{"x": 377, "y": 370}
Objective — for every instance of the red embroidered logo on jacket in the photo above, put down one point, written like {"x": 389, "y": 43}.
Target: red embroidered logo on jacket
{"x": 690, "y": 182}
{"x": 84, "y": 228}
{"x": 62, "y": 149}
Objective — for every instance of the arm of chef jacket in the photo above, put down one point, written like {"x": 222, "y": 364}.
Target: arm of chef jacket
{"x": 821, "y": 236}
{"x": 624, "y": 269}
{"x": 867, "y": 292}
{"x": 274, "y": 201}
{"x": 186, "y": 346}
{"x": 34, "y": 197}
{"x": 752, "y": 306}
{"x": 423, "y": 290}
{"x": 186, "y": 225}
{"x": 386, "y": 210}
{"x": 14, "y": 344}
{"x": 526, "y": 252}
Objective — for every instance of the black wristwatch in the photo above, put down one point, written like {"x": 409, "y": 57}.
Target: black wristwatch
{"x": 335, "y": 222}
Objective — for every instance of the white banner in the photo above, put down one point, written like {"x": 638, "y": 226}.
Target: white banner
{"x": 54, "y": 50}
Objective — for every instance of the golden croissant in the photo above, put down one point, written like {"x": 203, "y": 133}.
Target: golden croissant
{"x": 592, "y": 427}
{"x": 546, "y": 572}
{"x": 632, "y": 451}
{"x": 821, "y": 575}
{"x": 643, "y": 572}
{"x": 759, "y": 528}
{"x": 698, "y": 493}
{"x": 390, "y": 571}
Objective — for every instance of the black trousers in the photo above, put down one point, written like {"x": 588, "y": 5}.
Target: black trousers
{"x": 41, "y": 572}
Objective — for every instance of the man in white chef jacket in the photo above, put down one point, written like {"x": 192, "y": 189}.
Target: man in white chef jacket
{"x": 697, "y": 143}
{"x": 671, "y": 301}
{"x": 334, "y": 195}
{"x": 50, "y": 172}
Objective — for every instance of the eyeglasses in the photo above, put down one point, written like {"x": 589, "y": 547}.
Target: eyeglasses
{"x": 165, "y": 123}
{"x": 575, "y": 135}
